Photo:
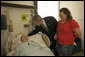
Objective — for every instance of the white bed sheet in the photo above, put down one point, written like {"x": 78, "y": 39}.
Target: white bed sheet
{"x": 36, "y": 38}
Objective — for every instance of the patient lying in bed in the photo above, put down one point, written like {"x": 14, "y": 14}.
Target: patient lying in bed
{"x": 31, "y": 48}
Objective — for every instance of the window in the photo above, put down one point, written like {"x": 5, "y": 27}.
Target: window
{"x": 48, "y": 8}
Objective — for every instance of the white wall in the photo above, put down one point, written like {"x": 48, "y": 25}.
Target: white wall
{"x": 77, "y": 10}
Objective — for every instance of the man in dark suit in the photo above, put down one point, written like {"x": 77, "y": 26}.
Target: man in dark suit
{"x": 47, "y": 26}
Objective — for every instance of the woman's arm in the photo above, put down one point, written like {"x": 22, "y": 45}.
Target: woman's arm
{"x": 77, "y": 32}
{"x": 55, "y": 36}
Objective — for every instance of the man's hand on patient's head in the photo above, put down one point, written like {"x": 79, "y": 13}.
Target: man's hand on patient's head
{"x": 24, "y": 38}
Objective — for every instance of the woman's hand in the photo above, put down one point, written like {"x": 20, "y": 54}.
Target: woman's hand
{"x": 55, "y": 36}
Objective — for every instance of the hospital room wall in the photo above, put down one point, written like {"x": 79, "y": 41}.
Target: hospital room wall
{"x": 14, "y": 19}
{"x": 77, "y": 10}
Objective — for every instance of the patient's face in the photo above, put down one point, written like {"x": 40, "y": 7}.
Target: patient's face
{"x": 24, "y": 38}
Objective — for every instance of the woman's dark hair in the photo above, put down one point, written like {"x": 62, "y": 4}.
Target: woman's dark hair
{"x": 66, "y": 12}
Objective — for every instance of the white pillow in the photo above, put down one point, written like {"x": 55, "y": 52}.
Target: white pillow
{"x": 16, "y": 41}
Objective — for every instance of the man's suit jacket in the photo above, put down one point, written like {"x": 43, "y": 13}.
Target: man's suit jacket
{"x": 51, "y": 23}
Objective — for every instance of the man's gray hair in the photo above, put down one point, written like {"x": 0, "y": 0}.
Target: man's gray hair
{"x": 36, "y": 18}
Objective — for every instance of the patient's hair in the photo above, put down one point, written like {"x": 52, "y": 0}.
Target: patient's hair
{"x": 36, "y": 18}
{"x": 23, "y": 39}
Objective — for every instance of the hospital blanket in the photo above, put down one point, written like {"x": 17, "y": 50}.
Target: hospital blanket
{"x": 32, "y": 49}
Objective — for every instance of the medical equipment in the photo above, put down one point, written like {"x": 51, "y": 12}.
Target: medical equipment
{"x": 3, "y": 22}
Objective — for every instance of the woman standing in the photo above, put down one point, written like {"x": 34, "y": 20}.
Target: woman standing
{"x": 67, "y": 31}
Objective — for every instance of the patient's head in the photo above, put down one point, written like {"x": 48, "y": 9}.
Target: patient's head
{"x": 24, "y": 38}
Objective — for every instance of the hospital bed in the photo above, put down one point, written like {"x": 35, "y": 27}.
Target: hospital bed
{"x": 41, "y": 39}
